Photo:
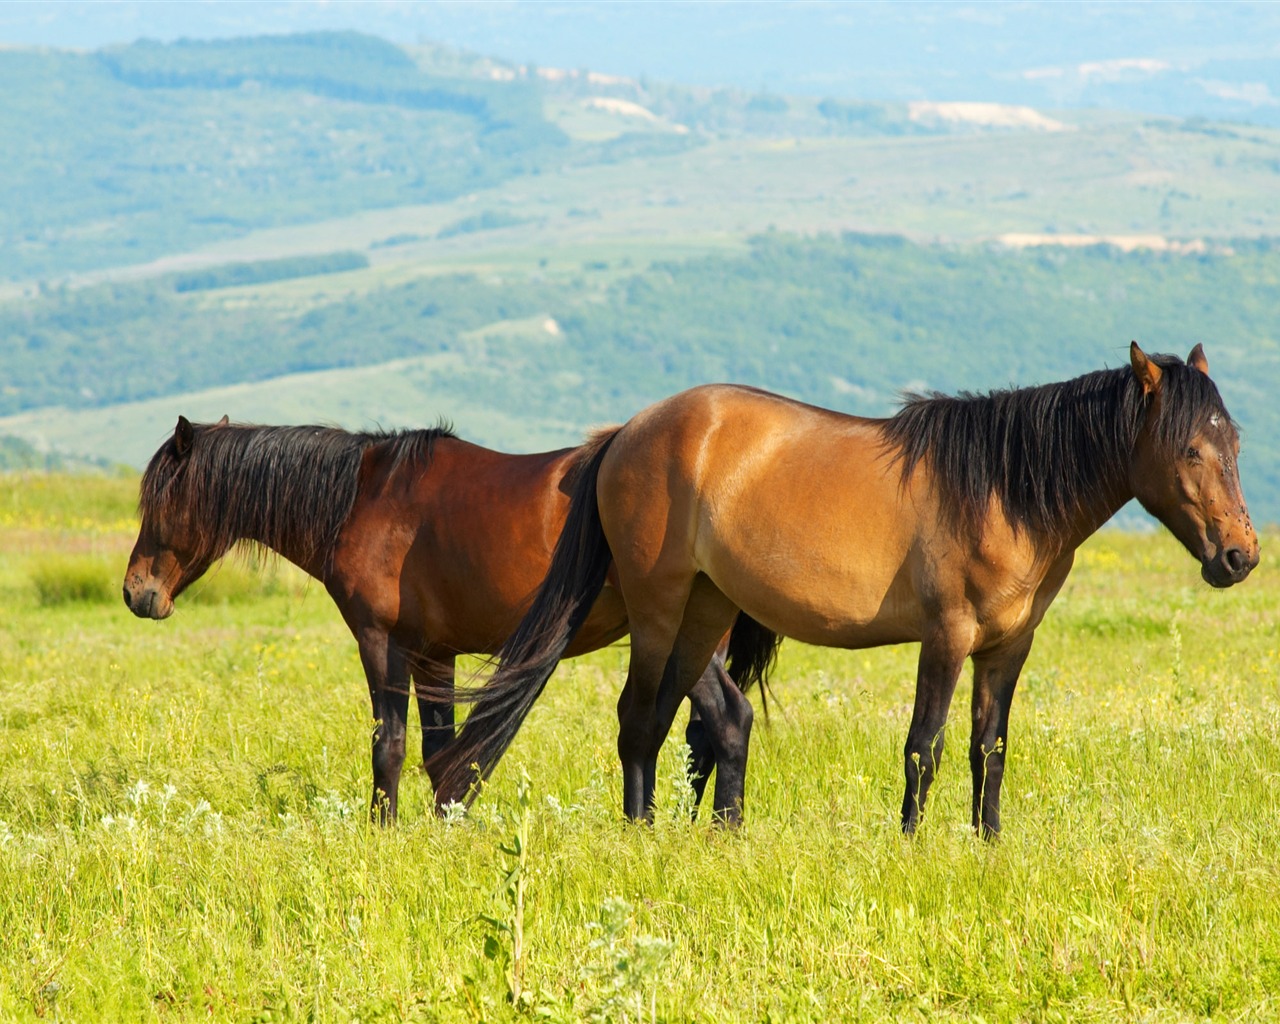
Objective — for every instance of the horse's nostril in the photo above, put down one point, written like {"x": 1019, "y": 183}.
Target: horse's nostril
{"x": 128, "y": 598}
{"x": 1236, "y": 559}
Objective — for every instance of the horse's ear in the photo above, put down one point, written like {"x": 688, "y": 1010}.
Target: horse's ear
{"x": 1198, "y": 360}
{"x": 1147, "y": 372}
{"x": 184, "y": 435}
{"x": 222, "y": 422}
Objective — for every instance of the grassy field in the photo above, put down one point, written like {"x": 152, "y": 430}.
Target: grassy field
{"x": 183, "y": 836}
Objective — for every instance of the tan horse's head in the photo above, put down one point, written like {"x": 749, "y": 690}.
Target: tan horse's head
{"x": 1184, "y": 469}
{"x": 171, "y": 551}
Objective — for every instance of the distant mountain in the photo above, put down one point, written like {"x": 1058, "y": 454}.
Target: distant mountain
{"x": 1193, "y": 58}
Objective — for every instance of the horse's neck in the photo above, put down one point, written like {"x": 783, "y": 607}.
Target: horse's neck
{"x": 312, "y": 564}
{"x": 1111, "y": 498}
{"x": 295, "y": 542}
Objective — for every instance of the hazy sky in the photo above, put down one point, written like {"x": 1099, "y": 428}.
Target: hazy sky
{"x": 811, "y": 47}
{"x": 1216, "y": 59}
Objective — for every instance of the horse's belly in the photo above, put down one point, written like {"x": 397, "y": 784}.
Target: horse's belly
{"x": 823, "y": 604}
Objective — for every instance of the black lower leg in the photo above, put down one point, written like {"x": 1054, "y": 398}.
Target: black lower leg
{"x": 995, "y": 676}
{"x": 702, "y": 756}
{"x": 987, "y": 766}
{"x": 941, "y": 659}
{"x": 920, "y": 764}
{"x": 391, "y": 709}
{"x": 435, "y": 712}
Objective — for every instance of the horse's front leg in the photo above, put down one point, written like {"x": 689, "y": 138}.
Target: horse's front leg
{"x": 702, "y": 755}
{"x": 942, "y": 657}
{"x": 995, "y": 675}
{"x": 435, "y": 713}
{"x": 388, "y": 676}
{"x": 724, "y": 715}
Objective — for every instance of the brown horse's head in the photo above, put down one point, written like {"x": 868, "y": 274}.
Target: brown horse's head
{"x": 172, "y": 551}
{"x": 1184, "y": 465}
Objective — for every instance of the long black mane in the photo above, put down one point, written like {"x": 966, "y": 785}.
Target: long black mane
{"x": 1045, "y": 453}
{"x": 290, "y": 489}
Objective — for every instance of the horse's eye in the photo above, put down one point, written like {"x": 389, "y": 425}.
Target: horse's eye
{"x": 1193, "y": 453}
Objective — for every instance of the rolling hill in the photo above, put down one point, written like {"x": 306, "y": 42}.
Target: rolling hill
{"x": 622, "y": 240}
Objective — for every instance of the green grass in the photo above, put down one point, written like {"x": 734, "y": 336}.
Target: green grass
{"x": 182, "y": 824}
{"x": 62, "y": 579}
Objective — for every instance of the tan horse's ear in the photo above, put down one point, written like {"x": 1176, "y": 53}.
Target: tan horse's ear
{"x": 1147, "y": 372}
{"x": 184, "y": 435}
{"x": 1198, "y": 360}
{"x": 222, "y": 422}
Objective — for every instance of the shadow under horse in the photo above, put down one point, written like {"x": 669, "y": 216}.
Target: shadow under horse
{"x": 953, "y": 524}
{"x": 429, "y": 546}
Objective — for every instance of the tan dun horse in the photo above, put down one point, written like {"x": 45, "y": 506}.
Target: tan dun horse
{"x": 430, "y": 547}
{"x": 953, "y": 523}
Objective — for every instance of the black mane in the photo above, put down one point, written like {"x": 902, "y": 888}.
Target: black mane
{"x": 1045, "y": 452}
{"x": 286, "y": 488}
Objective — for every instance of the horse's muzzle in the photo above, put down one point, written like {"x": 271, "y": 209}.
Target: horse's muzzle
{"x": 1231, "y": 566}
{"x": 149, "y": 604}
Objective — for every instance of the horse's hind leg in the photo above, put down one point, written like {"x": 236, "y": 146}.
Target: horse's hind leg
{"x": 434, "y": 713}
{"x": 726, "y": 716}
{"x": 941, "y": 658}
{"x": 668, "y": 654}
{"x": 388, "y": 675}
{"x": 995, "y": 675}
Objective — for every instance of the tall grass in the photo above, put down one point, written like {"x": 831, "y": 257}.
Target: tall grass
{"x": 68, "y": 579}
{"x": 245, "y": 576}
{"x": 183, "y": 831}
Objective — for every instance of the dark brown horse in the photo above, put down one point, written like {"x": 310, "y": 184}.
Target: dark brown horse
{"x": 430, "y": 547}
{"x": 953, "y": 523}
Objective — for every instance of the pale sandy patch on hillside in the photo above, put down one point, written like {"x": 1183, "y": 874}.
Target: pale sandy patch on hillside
{"x": 600, "y": 78}
{"x": 571, "y": 74}
{"x": 988, "y": 115}
{"x": 1103, "y": 70}
{"x": 626, "y": 108}
{"x": 1127, "y": 243}
{"x": 1256, "y": 94}
{"x": 1110, "y": 70}
{"x": 1149, "y": 177}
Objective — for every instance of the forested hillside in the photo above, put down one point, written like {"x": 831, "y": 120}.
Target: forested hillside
{"x": 124, "y": 154}
{"x": 844, "y": 321}
{"x": 127, "y": 153}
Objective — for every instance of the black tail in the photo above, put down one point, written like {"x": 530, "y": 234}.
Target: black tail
{"x": 574, "y": 580}
{"x": 753, "y": 649}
